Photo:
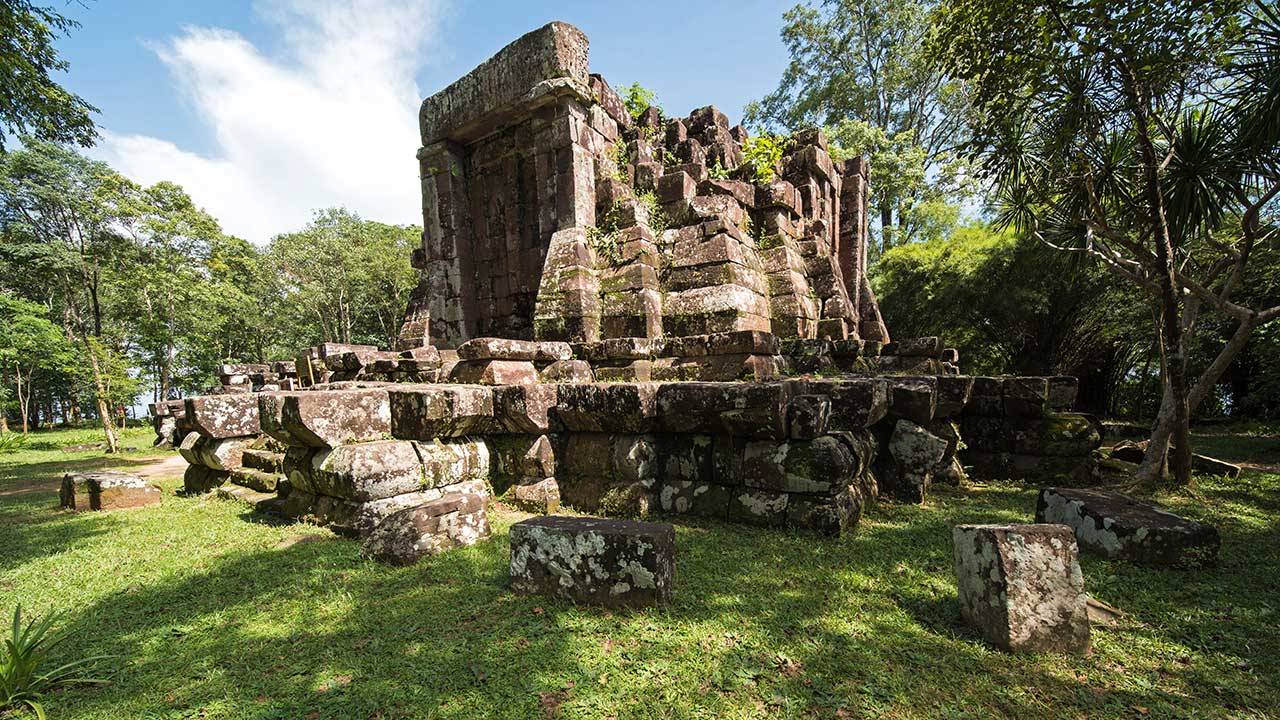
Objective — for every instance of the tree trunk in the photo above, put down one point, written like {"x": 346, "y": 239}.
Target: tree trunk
{"x": 4, "y": 423}
{"x": 104, "y": 413}
{"x": 1175, "y": 364}
{"x": 22, "y": 401}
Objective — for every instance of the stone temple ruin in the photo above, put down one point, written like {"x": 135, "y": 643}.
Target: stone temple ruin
{"x": 615, "y": 315}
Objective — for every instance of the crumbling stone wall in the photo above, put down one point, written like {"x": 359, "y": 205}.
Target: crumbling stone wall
{"x": 550, "y": 214}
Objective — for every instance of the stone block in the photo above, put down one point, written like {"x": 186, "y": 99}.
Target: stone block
{"x": 743, "y": 409}
{"x": 1025, "y": 396}
{"x": 824, "y": 465}
{"x": 1118, "y": 527}
{"x": 1021, "y": 587}
{"x": 608, "y": 407}
{"x": 615, "y": 563}
{"x": 422, "y": 412}
{"x": 106, "y": 490}
{"x": 1062, "y": 392}
{"x": 524, "y": 408}
{"x": 494, "y": 372}
{"x": 200, "y": 479}
{"x": 808, "y": 416}
{"x": 694, "y": 497}
{"x": 758, "y": 507}
{"x": 855, "y": 403}
{"x": 914, "y": 453}
{"x": 567, "y": 371}
{"x": 431, "y": 528}
{"x": 913, "y": 399}
{"x": 223, "y": 416}
{"x": 538, "y": 496}
{"x": 953, "y": 395}
{"x": 368, "y": 471}
{"x": 326, "y": 418}
{"x": 505, "y": 349}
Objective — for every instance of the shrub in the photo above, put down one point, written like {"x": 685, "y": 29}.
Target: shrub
{"x": 22, "y": 683}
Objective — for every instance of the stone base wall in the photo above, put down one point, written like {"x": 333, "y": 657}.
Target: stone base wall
{"x": 807, "y": 453}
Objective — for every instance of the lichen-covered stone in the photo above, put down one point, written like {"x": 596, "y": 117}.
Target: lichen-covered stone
{"x": 525, "y": 409}
{"x": 823, "y": 465}
{"x": 1025, "y": 396}
{"x": 422, "y": 412}
{"x": 224, "y": 416}
{"x": 914, "y": 454}
{"x": 615, "y": 563}
{"x": 742, "y": 409}
{"x": 913, "y": 399}
{"x": 1118, "y": 527}
{"x": 856, "y": 403}
{"x": 370, "y": 471}
{"x": 808, "y": 416}
{"x": 1021, "y": 587}
{"x": 494, "y": 372}
{"x": 567, "y": 371}
{"x": 106, "y": 490}
{"x": 506, "y": 349}
{"x": 406, "y": 536}
{"x": 607, "y": 407}
{"x": 326, "y": 418}
{"x": 536, "y": 496}
{"x": 200, "y": 479}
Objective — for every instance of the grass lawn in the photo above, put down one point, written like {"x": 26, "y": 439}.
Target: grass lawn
{"x": 217, "y": 613}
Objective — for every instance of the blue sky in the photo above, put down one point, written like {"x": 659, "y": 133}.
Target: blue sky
{"x": 267, "y": 110}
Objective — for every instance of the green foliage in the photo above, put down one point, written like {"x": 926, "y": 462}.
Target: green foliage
{"x": 717, "y": 171}
{"x": 761, "y": 155}
{"x": 858, "y": 68}
{"x": 30, "y": 101}
{"x": 24, "y": 677}
{"x": 344, "y": 279}
{"x": 638, "y": 98}
{"x": 11, "y": 443}
{"x": 1050, "y": 315}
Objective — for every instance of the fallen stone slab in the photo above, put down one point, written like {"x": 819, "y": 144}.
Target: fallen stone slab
{"x": 431, "y": 528}
{"x": 537, "y": 496}
{"x": 597, "y": 561}
{"x": 106, "y": 490}
{"x": 1021, "y": 587}
{"x": 199, "y": 479}
{"x": 1121, "y": 528}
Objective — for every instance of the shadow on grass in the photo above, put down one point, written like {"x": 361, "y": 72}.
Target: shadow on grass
{"x": 764, "y": 623}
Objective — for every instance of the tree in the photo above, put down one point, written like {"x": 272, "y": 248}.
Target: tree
{"x": 350, "y": 278}
{"x": 59, "y": 217}
{"x": 857, "y": 68}
{"x": 1144, "y": 135}
{"x": 29, "y": 343}
{"x": 30, "y": 101}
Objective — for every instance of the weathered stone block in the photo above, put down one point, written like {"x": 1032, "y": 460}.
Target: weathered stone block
{"x": 422, "y": 412}
{"x": 808, "y": 416}
{"x": 758, "y": 507}
{"x": 953, "y": 395}
{"x": 608, "y": 407}
{"x": 368, "y": 471}
{"x": 914, "y": 453}
{"x": 1021, "y": 587}
{"x": 692, "y": 497}
{"x": 505, "y": 349}
{"x": 200, "y": 479}
{"x": 326, "y": 418}
{"x": 494, "y": 372}
{"x": 823, "y": 465}
{"x": 855, "y": 403}
{"x": 431, "y": 528}
{"x": 1121, "y": 528}
{"x": 913, "y": 399}
{"x": 524, "y": 408}
{"x": 1025, "y": 396}
{"x": 540, "y": 496}
{"x": 567, "y": 371}
{"x": 743, "y": 409}
{"x": 223, "y": 416}
{"x": 616, "y": 563}
{"x": 106, "y": 490}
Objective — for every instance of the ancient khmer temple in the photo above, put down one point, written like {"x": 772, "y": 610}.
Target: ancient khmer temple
{"x": 629, "y": 316}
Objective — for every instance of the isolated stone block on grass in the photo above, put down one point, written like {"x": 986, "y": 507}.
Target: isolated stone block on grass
{"x": 1021, "y": 587}
{"x": 106, "y": 490}
{"x": 597, "y": 561}
{"x": 1121, "y": 528}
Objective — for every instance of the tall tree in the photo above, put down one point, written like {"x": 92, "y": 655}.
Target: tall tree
{"x": 1145, "y": 135}
{"x": 59, "y": 217}
{"x": 349, "y": 277}
{"x": 31, "y": 102}
{"x": 29, "y": 343}
{"x": 857, "y": 68}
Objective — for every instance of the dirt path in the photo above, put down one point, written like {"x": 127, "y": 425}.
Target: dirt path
{"x": 166, "y": 467}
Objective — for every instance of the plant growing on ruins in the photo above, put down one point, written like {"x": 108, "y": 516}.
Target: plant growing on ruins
{"x": 761, "y": 155}
{"x": 1145, "y": 137}
{"x": 23, "y": 680}
{"x": 717, "y": 171}
{"x": 638, "y": 98}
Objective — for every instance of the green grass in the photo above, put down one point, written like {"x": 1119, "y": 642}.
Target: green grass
{"x": 218, "y": 613}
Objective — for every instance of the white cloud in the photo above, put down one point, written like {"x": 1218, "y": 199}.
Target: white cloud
{"x": 331, "y": 120}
